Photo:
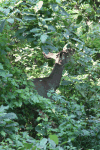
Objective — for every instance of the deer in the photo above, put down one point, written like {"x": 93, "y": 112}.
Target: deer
{"x": 43, "y": 85}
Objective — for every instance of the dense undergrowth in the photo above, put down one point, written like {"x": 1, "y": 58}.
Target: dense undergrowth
{"x": 71, "y": 120}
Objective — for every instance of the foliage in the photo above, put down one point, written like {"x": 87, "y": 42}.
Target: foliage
{"x": 71, "y": 120}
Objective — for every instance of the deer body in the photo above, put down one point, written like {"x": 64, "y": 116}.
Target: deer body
{"x": 43, "y": 85}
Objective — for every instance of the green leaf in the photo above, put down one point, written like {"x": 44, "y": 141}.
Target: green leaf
{"x": 85, "y": 132}
{"x": 28, "y": 145}
{"x": 11, "y": 116}
{"x": 64, "y": 142}
{"x": 77, "y": 40}
{"x": 34, "y": 148}
{"x": 2, "y": 25}
{"x": 10, "y": 20}
{"x": 7, "y": 11}
{"x": 12, "y": 125}
{"x": 3, "y": 133}
{"x": 29, "y": 18}
{"x": 43, "y": 142}
{"x": 49, "y": 47}
{"x": 2, "y": 73}
{"x": 19, "y": 144}
{"x": 34, "y": 30}
{"x": 63, "y": 12}
{"x": 3, "y": 52}
{"x": 20, "y": 31}
{"x": 1, "y": 66}
{"x": 30, "y": 39}
{"x": 52, "y": 143}
{"x": 2, "y": 108}
{"x": 66, "y": 34}
{"x": 54, "y": 138}
{"x": 19, "y": 91}
{"x": 66, "y": 83}
{"x": 43, "y": 38}
{"x": 48, "y": 19}
{"x": 2, "y": 123}
{"x": 9, "y": 75}
{"x": 58, "y": 1}
{"x": 79, "y": 19}
{"x": 40, "y": 130}
{"x": 50, "y": 27}
{"x": 18, "y": 19}
{"x": 55, "y": 7}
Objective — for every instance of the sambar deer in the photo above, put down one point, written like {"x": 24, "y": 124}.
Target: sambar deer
{"x": 43, "y": 85}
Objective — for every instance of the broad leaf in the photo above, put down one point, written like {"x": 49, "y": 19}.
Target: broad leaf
{"x": 79, "y": 19}
{"x": 10, "y": 20}
{"x": 44, "y": 38}
{"x": 54, "y": 138}
{"x": 2, "y": 25}
{"x": 43, "y": 142}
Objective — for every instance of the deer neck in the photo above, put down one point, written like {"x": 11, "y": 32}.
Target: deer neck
{"x": 56, "y": 75}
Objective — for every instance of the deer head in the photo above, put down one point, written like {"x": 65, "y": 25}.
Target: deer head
{"x": 60, "y": 58}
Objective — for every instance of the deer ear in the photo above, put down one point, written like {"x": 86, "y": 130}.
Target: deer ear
{"x": 50, "y": 55}
{"x": 57, "y": 58}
